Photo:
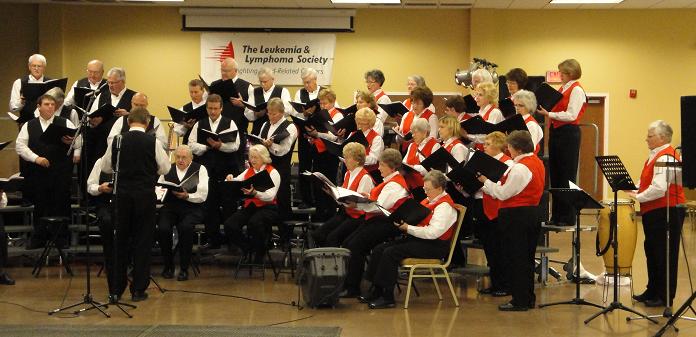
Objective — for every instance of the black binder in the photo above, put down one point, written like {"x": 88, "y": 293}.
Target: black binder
{"x": 260, "y": 181}
{"x": 54, "y": 133}
{"x": 180, "y": 116}
{"x": 394, "y": 108}
{"x": 440, "y": 160}
{"x": 225, "y": 137}
{"x": 226, "y": 89}
{"x": 410, "y": 211}
{"x": 547, "y": 97}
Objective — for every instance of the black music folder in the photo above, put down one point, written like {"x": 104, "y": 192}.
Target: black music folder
{"x": 225, "y": 137}
{"x": 187, "y": 185}
{"x": 349, "y": 110}
{"x": 277, "y": 138}
{"x": 440, "y": 160}
{"x": 507, "y": 107}
{"x": 477, "y": 126}
{"x": 394, "y": 108}
{"x": 318, "y": 120}
{"x": 81, "y": 95}
{"x": 410, "y": 211}
{"x": 347, "y": 123}
{"x": 54, "y": 133}
{"x": 357, "y": 137}
{"x": 257, "y": 107}
{"x": 4, "y": 144}
{"x": 547, "y": 97}
{"x": 11, "y": 184}
{"x": 260, "y": 181}
{"x": 301, "y": 107}
{"x": 407, "y": 137}
{"x": 32, "y": 91}
{"x": 105, "y": 111}
{"x": 180, "y": 116}
{"x": 226, "y": 89}
{"x": 336, "y": 149}
{"x": 466, "y": 175}
{"x": 337, "y": 193}
{"x": 471, "y": 106}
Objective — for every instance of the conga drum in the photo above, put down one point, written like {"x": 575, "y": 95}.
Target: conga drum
{"x": 627, "y": 234}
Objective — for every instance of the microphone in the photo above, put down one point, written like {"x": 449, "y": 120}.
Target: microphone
{"x": 97, "y": 91}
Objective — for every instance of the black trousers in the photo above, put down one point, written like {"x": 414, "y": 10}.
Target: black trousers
{"x": 327, "y": 164}
{"x": 135, "y": 231}
{"x": 184, "y": 216}
{"x": 654, "y": 223}
{"x": 307, "y": 158}
{"x": 106, "y": 230}
{"x": 564, "y": 152}
{"x": 361, "y": 242}
{"x": 213, "y": 215}
{"x": 3, "y": 244}
{"x": 386, "y": 258}
{"x": 258, "y": 222}
{"x": 490, "y": 235}
{"x": 474, "y": 212}
{"x": 51, "y": 197}
{"x": 520, "y": 230}
{"x": 282, "y": 165}
{"x": 335, "y": 230}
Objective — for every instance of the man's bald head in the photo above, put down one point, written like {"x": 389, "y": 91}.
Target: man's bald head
{"x": 139, "y": 100}
{"x": 95, "y": 71}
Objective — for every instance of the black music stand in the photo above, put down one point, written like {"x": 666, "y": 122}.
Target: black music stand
{"x": 580, "y": 200}
{"x": 619, "y": 180}
{"x": 677, "y": 315}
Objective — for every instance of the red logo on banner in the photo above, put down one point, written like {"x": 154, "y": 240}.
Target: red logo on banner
{"x": 222, "y": 52}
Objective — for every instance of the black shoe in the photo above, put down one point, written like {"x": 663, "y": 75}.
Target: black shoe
{"x": 183, "y": 275}
{"x": 138, "y": 296}
{"x": 486, "y": 291}
{"x": 500, "y": 293}
{"x": 645, "y": 296}
{"x": 382, "y": 303}
{"x": 349, "y": 293}
{"x": 113, "y": 298}
{"x": 168, "y": 272}
{"x": 6, "y": 279}
{"x": 373, "y": 295}
{"x": 511, "y": 307}
{"x": 654, "y": 303}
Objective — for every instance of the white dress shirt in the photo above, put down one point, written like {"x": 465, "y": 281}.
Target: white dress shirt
{"x": 419, "y": 155}
{"x": 180, "y": 129}
{"x": 161, "y": 156}
{"x": 70, "y": 97}
{"x": 114, "y": 99}
{"x": 22, "y": 142}
{"x": 376, "y": 149}
{"x": 200, "y": 149}
{"x": 74, "y": 117}
{"x": 365, "y": 185}
{"x": 518, "y": 177}
{"x": 535, "y": 130}
{"x": 156, "y": 124}
{"x": 391, "y": 193}
{"x": 661, "y": 175}
{"x": 444, "y": 217}
{"x": 460, "y": 152}
{"x": 284, "y": 96}
{"x": 494, "y": 117}
{"x": 381, "y": 115}
{"x": 269, "y": 194}
{"x": 201, "y": 189}
{"x": 93, "y": 179}
{"x": 285, "y": 145}
{"x": 16, "y": 103}
{"x": 575, "y": 103}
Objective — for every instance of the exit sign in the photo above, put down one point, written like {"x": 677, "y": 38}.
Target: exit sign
{"x": 553, "y": 77}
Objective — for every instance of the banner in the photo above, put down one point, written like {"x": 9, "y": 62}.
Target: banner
{"x": 285, "y": 53}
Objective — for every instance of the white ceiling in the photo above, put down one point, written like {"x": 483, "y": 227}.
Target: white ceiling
{"x": 498, "y": 4}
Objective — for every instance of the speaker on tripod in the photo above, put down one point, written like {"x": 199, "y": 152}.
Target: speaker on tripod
{"x": 688, "y": 147}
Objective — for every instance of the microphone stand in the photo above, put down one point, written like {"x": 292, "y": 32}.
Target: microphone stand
{"x": 87, "y": 298}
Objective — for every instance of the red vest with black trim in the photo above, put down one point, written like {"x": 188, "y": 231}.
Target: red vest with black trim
{"x": 318, "y": 142}
{"x": 490, "y": 204}
{"x": 370, "y": 137}
{"x": 530, "y": 119}
{"x": 378, "y": 96}
{"x": 352, "y": 212}
{"x": 374, "y": 194}
{"x": 562, "y": 105}
{"x": 254, "y": 200}
{"x": 676, "y": 192}
{"x": 414, "y": 179}
{"x": 531, "y": 194}
{"x": 426, "y": 222}
{"x": 410, "y": 116}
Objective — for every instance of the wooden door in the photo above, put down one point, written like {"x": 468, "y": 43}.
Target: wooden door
{"x": 590, "y": 177}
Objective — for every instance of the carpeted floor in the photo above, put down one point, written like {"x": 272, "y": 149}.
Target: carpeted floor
{"x": 164, "y": 331}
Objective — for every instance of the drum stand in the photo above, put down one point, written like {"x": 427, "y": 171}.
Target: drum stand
{"x": 668, "y": 298}
{"x": 580, "y": 200}
{"x": 619, "y": 180}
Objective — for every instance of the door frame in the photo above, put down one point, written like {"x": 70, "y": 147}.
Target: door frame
{"x": 605, "y": 150}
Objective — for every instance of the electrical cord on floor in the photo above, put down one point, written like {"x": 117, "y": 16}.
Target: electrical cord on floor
{"x": 291, "y": 321}
{"x": 291, "y": 304}
{"x": 62, "y": 302}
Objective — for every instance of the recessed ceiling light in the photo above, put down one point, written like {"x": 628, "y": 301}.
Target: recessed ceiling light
{"x": 582, "y": 2}
{"x": 366, "y": 1}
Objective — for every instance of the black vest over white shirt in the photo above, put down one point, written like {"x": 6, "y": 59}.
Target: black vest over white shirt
{"x": 173, "y": 177}
{"x": 219, "y": 164}
{"x": 57, "y": 154}
{"x": 138, "y": 162}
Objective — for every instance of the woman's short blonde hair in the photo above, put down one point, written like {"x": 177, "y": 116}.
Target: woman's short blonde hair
{"x": 328, "y": 95}
{"x": 391, "y": 158}
{"x": 367, "y": 98}
{"x": 355, "y": 151}
{"x": 276, "y": 103}
{"x": 489, "y": 92}
{"x": 366, "y": 114}
{"x": 452, "y": 124}
{"x": 497, "y": 139}
{"x": 262, "y": 151}
{"x": 571, "y": 67}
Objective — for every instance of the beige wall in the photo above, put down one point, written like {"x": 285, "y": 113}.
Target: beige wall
{"x": 653, "y": 51}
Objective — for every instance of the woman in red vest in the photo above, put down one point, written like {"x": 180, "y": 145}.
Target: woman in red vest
{"x": 486, "y": 96}
{"x": 525, "y": 103}
{"x": 390, "y": 194}
{"x": 357, "y": 179}
{"x": 564, "y": 137}
{"x": 429, "y": 239}
{"x": 655, "y": 182}
{"x": 422, "y": 147}
{"x": 519, "y": 192}
{"x": 448, "y": 129}
{"x": 421, "y": 98}
{"x": 259, "y": 210}
{"x": 487, "y": 225}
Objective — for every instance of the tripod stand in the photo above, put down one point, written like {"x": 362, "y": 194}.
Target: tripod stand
{"x": 668, "y": 245}
{"x": 619, "y": 180}
{"x": 87, "y": 298}
{"x": 580, "y": 200}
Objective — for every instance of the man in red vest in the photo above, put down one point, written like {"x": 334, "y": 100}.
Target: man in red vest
{"x": 655, "y": 202}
